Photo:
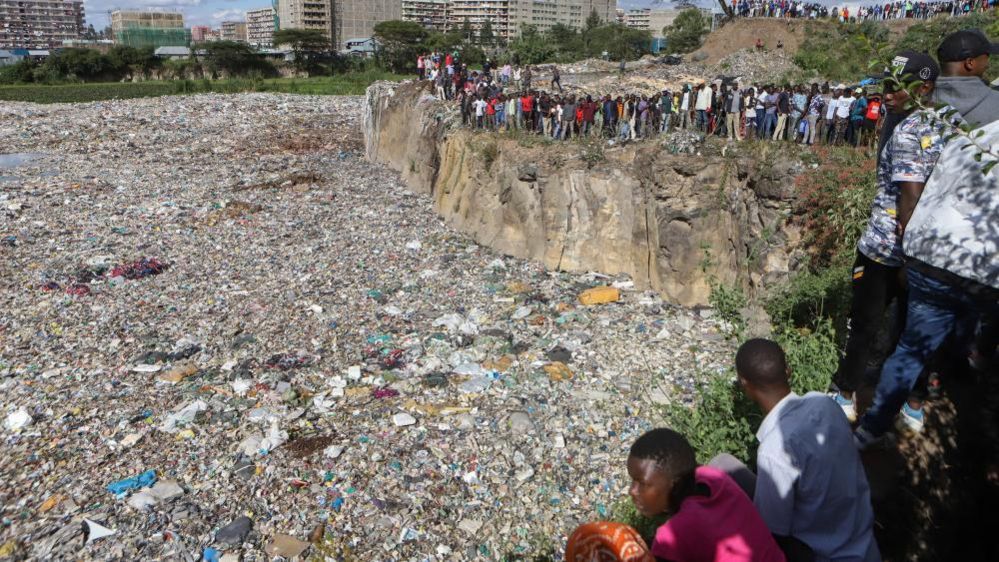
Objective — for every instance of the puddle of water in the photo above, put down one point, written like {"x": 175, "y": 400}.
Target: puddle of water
{"x": 16, "y": 159}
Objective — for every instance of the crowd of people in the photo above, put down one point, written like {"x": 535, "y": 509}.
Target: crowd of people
{"x": 505, "y": 99}
{"x": 929, "y": 252}
{"x": 899, "y": 9}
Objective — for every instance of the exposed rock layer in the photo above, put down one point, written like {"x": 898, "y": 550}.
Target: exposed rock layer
{"x": 672, "y": 222}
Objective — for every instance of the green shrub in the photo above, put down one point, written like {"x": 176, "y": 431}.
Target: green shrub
{"x": 722, "y": 419}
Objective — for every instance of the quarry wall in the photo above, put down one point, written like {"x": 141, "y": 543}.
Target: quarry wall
{"x": 675, "y": 223}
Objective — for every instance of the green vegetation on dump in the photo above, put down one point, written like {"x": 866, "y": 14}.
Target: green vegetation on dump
{"x": 843, "y": 52}
{"x": 352, "y": 84}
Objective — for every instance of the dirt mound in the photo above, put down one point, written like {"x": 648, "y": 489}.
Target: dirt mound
{"x": 742, "y": 34}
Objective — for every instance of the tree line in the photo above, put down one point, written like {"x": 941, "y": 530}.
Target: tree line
{"x": 310, "y": 49}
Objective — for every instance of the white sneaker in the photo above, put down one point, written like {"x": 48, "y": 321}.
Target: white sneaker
{"x": 846, "y": 404}
{"x": 911, "y": 419}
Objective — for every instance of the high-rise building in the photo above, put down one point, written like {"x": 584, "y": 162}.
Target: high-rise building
{"x": 234, "y": 31}
{"x": 306, "y": 14}
{"x": 200, "y": 33}
{"x": 508, "y": 17}
{"x": 260, "y": 27}
{"x": 149, "y": 29}
{"x": 431, "y": 14}
{"x": 652, "y": 21}
{"x": 356, "y": 19}
{"x": 39, "y": 24}
{"x": 340, "y": 20}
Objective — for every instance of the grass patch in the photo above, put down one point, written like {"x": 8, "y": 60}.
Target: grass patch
{"x": 352, "y": 84}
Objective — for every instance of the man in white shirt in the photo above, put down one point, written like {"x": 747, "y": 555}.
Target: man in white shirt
{"x": 480, "y": 111}
{"x": 842, "y": 118}
{"x": 685, "y": 107}
{"x": 811, "y": 486}
{"x": 702, "y": 105}
{"x": 830, "y": 115}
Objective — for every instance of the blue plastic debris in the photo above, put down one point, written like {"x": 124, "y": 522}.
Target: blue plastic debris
{"x": 211, "y": 555}
{"x": 144, "y": 480}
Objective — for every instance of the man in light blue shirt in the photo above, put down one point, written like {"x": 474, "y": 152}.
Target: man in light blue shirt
{"x": 810, "y": 484}
{"x": 799, "y": 102}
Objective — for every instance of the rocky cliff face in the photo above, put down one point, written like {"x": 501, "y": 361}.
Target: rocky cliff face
{"x": 674, "y": 223}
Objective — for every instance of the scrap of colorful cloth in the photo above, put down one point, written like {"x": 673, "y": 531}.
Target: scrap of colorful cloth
{"x": 606, "y": 541}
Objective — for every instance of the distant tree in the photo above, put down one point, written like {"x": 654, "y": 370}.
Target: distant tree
{"x": 593, "y": 21}
{"x": 619, "y": 41}
{"x": 127, "y": 62}
{"x": 400, "y": 42}
{"x": 531, "y": 47}
{"x": 18, "y": 73}
{"x": 77, "y": 64}
{"x": 466, "y": 29}
{"x": 235, "y": 59}
{"x": 687, "y": 31}
{"x": 486, "y": 36}
{"x": 444, "y": 42}
{"x": 307, "y": 46}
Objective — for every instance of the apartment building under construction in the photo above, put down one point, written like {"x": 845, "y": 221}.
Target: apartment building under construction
{"x": 39, "y": 24}
{"x": 149, "y": 29}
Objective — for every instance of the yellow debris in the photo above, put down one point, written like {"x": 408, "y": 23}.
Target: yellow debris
{"x": 51, "y": 502}
{"x": 179, "y": 373}
{"x": 517, "y": 287}
{"x": 599, "y": 295}
{"x": 558, "y": 371}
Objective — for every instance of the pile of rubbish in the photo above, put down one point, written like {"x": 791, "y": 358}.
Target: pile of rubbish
{"x": 327, "y": 371}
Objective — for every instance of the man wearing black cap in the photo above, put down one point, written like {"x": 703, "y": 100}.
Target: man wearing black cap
{"x": 964, "y": 57}
{"x": 905, "y": 164}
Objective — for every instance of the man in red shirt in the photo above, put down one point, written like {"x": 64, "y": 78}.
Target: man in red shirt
{"x": 527, "y": 107}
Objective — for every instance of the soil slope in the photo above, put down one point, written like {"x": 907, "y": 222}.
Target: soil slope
{"x": 742, "y": 34}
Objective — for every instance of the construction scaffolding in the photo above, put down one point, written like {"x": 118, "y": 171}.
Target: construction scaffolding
{"x": 149, "y": 29}
{"x": 139, "y": 37}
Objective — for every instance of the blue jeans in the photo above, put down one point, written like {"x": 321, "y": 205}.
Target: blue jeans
{"x": 769, "y": 124}
{"x": 702, "y": 119}
{"x": 935, "y": 309}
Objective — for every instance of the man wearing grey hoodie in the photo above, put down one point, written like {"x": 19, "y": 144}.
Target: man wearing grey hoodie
{"x": 964, "y": 57}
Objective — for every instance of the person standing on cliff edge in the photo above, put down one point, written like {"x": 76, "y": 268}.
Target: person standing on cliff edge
{"x": 556, "y": 78}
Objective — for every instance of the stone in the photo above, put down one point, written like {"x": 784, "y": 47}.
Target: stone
{"x": 470, "y": 526}
{"x": 286, "y": 546}
{"x": 403, "y": 419}
{"x": 166, "y": 490}
{"x": 520, "y": 423}
{"x": 234, "y": 534}
{"x": 527, "y": 173}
